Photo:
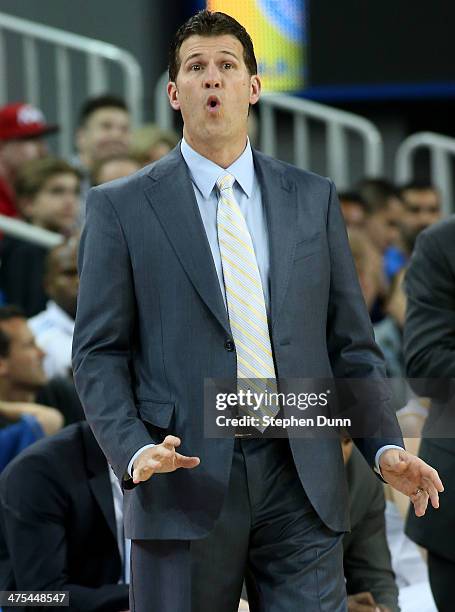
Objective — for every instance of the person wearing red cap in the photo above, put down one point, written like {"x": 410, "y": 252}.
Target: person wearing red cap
{"x": 22, "y": 128}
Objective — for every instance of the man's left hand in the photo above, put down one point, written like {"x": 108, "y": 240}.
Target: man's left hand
{"x": 413, "y": 477}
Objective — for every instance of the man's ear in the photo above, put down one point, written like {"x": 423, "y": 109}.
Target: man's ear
{"x": 173, "y": 95}
{"x": 255, "y": 88}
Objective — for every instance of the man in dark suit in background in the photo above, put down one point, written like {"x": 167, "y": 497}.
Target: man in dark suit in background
{"x": 219, "y": 262}
{"x": 370, "y": 581}
{"x": 430, "y": 356}
{"x": 58, "y": 526}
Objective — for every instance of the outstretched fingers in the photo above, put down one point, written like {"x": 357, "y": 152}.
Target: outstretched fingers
{"x": 186, "y": 462}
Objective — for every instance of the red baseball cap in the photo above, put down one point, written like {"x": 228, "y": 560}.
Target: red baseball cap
{"x": 20, "y": 121}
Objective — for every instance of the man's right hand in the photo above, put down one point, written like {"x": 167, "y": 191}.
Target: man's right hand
{"x": 362, "y": 602}
{"x": 160, "y": 459}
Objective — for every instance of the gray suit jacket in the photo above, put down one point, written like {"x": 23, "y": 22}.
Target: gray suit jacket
{"x": 151, "y": 324}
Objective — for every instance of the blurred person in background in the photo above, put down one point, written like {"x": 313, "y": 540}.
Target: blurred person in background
{"x": 370, "y": 582}
{"x": 411, "y": 409}
{"x": 48, "y": 197}
{"x": 389, "y": 332}
{"x": 422, "y": 208}
{"x": 368, "y": 263}
{"x": 114, "y": 167}
{"x": 354, "y": 208}
{"x": 383, "y": 228}
{"x": 53, "y": 327}
{"x": 150, "y": 143}
{"x": 429, "y": 346}
{"x": 17, "y": 431}
{"x": 21, "y": 376}
{"x": 380, "y": 563}
{"x": 383, "y": 222}
{"x": 22, "y": 131}
{"x": 408, "y": 560}
{"x": 104, "y": 130}
{"x": 61, "y": 524}
{"x": 48, "y": 194}
{"x": 25, "y": 378}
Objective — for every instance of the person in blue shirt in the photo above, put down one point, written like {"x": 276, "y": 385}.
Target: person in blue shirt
{"x": 14, "y": 437}
{"x": 22, "y": 420}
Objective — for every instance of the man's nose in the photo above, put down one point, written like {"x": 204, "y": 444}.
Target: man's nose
{"x": 212, "y": 77}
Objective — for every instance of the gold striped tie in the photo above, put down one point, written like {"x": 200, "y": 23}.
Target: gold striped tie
{"x": 246, "y": 305}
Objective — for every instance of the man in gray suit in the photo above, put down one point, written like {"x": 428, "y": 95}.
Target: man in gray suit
{"x": 430, "y": 351}
{"x": 219, "y": 262}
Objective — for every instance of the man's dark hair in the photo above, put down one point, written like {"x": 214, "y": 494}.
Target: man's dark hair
{"x": 377, "y": 192}
{"x": 6, "y": 314}
{"x": 206, "y": 23}
{"x": 34, "y": 174}
{"x": 105, "y": 101}
{"x": 418, "y": 185}
{"x": 100, "y": 163}
{"x": 354, "y": 196}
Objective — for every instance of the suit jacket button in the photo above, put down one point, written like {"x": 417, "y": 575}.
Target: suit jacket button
{"x": 229, "y": 345}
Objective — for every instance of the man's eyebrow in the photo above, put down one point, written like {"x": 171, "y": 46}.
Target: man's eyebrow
{"x": 199, "y": 54}
{"x": 226, "y": 52}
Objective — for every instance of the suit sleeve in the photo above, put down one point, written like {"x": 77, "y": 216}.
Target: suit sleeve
{"x": 366, "y": 559}
{"x": 104, "y": 335}
{"x": 353, "y": 353}
{"x": 34, "y": 523}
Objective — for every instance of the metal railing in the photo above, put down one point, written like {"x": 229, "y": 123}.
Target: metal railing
{"x": 337, "y": 124}
{"x": 30, "y": 233}
{"x": 441, "y": 149}
{"x": 164, "y": 115}
{"x": 96, "y": 53}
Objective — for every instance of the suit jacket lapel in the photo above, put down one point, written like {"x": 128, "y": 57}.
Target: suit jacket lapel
{"x": 279, "y": 197}
{"x": 171, "y": 196}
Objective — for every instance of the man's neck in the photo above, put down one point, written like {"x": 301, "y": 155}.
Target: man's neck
{"x": 8, "y": 393}
{"x": 70, "y": 312}
{"x": 222, "y": 154}
{"x": 86, "y": 161}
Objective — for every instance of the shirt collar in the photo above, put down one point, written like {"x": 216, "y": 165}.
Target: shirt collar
{"x": 204, "y": 172}
{"x": 58, "y": 315}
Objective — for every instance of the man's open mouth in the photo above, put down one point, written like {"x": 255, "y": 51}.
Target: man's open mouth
{"x": 213, "y": 103}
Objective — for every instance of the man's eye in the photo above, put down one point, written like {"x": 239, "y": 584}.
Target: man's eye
{"x": 227, "y": 65}
{"x": 195, "y": 67}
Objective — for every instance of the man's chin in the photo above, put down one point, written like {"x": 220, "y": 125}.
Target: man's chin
{"x": 107, "y": 151}
{"x": 41, "y": 382}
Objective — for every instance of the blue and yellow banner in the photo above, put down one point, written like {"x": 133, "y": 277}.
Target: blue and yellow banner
{"x": 277, "y": 28}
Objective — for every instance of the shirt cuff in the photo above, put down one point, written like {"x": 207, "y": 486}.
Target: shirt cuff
{"x": 136, "y": 454}
{"x": 377, "y": 469}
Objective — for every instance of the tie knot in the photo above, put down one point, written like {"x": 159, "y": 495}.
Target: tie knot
{"x": 225, "y": 181}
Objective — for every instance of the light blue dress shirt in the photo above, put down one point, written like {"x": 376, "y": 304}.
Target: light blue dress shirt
{"x": 204, "y": 174}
